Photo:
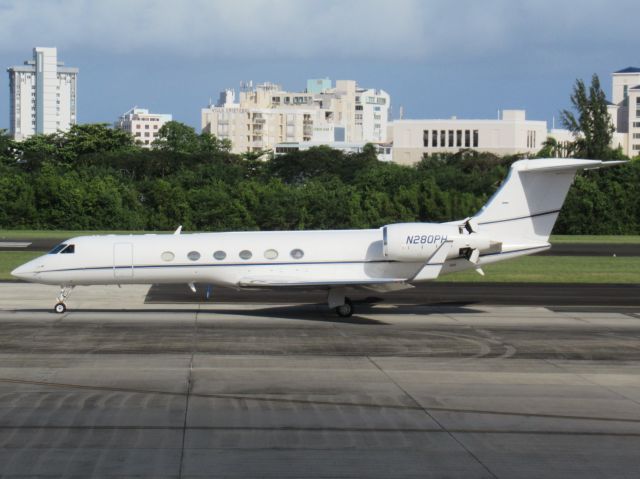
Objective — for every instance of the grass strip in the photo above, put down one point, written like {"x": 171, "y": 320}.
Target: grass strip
{"x": 555, "y": 269}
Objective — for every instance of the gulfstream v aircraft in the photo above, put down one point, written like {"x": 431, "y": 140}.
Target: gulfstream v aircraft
{"x": 516, "y": 221}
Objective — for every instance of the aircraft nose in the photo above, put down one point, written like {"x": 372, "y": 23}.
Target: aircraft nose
{"x": 24, "y": 271}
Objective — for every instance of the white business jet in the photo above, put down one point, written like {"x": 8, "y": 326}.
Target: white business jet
{"x": 516, "y": 221}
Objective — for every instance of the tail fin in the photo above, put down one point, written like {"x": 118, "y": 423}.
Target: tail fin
{"x": 527, "y": 204}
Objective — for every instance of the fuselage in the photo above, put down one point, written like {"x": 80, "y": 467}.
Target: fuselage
{"x": 228, "y": 259}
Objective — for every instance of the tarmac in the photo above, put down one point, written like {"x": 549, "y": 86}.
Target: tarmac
{"x": 137, "y": 383}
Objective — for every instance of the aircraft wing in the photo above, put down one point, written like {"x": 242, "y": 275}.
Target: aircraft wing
{"x": 275, "y": 282}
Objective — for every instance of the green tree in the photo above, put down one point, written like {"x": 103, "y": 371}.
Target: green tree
{"x": 177, "y": 137}
{"x": 592, "y": 127}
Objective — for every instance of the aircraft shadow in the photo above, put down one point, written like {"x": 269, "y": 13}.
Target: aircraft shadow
{"x": 318, "y": 312}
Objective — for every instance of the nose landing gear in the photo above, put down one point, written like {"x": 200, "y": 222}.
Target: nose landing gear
{"x": 65, "y": 291}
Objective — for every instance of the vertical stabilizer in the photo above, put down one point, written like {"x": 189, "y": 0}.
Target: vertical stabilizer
{"x": 526, "y": 206}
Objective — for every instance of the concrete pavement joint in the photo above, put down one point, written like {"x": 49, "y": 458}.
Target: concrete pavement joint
{"x": 433, "y": 418}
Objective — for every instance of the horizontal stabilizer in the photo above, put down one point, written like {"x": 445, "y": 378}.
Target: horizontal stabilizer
{"x": 563, "y": 164}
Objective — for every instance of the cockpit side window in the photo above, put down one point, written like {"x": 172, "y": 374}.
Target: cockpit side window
{"x": 56, "y": 249}
{"x": 70, "y": 249}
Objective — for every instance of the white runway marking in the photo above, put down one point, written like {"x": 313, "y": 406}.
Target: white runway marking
{"x": 13, "y": 244}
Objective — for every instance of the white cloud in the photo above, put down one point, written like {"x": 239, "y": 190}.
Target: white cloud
{"x": 250, "y": 28}
{"x": 299, "y": 29}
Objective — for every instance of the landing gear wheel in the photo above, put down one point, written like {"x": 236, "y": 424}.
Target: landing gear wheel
{"x": 60, "y": 308}
{"x": 346, "y": 310}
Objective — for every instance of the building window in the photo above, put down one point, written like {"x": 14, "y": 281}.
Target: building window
{"x": 625, "y": 91}
{"x": 475, "y": 138}
{"x": 425, "y": 138}
{"x": 467, "y": 138}
{"x": 443, "y": 138}
{"x": 450, "y": 138}
{"x": 434, "y": 138}
{"x": 459, "y": 138}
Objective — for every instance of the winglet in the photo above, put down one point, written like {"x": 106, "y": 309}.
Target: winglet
{"x": 178, "y": 231}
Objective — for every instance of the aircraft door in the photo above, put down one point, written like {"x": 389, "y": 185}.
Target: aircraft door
{"x": 123, "y": 260}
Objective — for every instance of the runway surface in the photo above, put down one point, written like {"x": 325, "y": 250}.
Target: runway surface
{"x": 429, "y": 294}
{"x": 118, "y": 387}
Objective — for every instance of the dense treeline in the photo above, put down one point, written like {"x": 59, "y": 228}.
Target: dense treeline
{"x": 94, "y": 177}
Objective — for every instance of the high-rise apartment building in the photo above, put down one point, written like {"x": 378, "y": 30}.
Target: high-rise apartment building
{"x": 43, "y": 95}
{"x": 267, "y": 115}
{"x": 142, "y": 125}
{"x": 625, "y": 110}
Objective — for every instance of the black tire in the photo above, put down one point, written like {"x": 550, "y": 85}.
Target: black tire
{"x": 59, "y": 308}
{"x": 346, "y": 310}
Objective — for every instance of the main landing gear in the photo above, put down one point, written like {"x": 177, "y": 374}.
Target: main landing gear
{"x": 60, "y": 307}
{"x": 346, "y": 309}
{"x": 339, "y": 303}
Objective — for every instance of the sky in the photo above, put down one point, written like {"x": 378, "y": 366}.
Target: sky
{"x": 436, "y": 58}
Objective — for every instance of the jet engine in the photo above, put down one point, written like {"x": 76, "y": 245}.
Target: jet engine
{"x": 419, "y": 241}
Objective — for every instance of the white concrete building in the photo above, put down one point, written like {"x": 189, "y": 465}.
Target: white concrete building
{"x": 383, "y": 150}
{"x": 267, "y": 115}
{"x": 43, "y": 95}
{"x": 625, "y": 110}
{"x": 511, "y": 134}
{"x": 142, "y": 125}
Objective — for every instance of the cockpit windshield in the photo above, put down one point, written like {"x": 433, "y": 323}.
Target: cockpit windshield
{"x": 56, "y": 249}
{"x": 69, "y": 249}
{"x": 63, "y": 248}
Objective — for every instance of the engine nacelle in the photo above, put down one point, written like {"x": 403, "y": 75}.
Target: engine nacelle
{"x": 418, "y": 241}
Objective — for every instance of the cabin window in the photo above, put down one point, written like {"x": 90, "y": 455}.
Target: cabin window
{"x": 167, "y": 256}
{"x": 297, "y": 253}
{"x": 271, "y": 254}
{"x": 193, "y": 255}
{"x": 245, "y": 254}
{"x": 219, "y": 255}
{"x": 69, "y": 249}
{"x": 58, "y": 248}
